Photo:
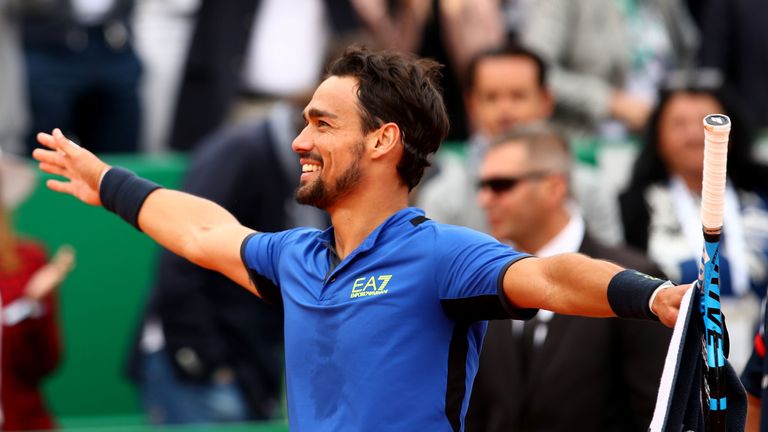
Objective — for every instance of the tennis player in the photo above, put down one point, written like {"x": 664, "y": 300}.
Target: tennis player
{"x": 385, "y": 310}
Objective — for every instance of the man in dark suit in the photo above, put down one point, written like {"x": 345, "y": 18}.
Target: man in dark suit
{"x": 556, "y": 372}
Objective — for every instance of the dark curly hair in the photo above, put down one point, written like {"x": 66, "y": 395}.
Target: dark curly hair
{"x": 403, "y": 89}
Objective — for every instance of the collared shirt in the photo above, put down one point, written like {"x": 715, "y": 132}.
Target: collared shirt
{"x": 567, "y": 240}
{"x": 389, "y": 337}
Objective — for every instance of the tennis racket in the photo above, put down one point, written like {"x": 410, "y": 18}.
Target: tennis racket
{"x": 716, "y": 129}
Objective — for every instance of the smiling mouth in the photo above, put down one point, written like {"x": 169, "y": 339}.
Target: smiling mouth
{"x": 308, "y": 168}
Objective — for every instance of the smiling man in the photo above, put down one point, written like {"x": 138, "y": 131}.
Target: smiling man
{"x": 385, "y": 310}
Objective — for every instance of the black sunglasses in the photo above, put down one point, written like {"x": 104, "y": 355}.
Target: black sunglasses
{"x": 503, "y": 184}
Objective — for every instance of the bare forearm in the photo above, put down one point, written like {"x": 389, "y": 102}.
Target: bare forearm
{"x": 181, "y": 222}
{"x": 574, "y": 284}
{"x": 571, "y": 284}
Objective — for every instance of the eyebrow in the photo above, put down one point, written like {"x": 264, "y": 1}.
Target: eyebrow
{"x": 315, "y": 113}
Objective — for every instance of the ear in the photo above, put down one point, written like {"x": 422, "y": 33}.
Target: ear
{"x": 548, "y": 107}
{"x": 386, "y": 140}
{"x": 556, "y": 188}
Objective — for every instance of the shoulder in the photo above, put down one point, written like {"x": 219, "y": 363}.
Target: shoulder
{"x": 454, "y": 239}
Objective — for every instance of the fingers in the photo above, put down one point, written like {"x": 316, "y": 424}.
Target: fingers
{"x": 60, "y": 186}
{"x": 52, "y": 169}
{"x": 43, "y": 155}
{"x": 51, "y": 162}
{"x": 57, "y": 141}
{"x": 46, "y": 140}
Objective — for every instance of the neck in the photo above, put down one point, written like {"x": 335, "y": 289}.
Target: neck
{"x": 546, "y": 230}
{"x": 692, "y": 182}
{"x": 355, "y": 216}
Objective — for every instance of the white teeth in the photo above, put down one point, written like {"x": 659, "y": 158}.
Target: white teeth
{"x": 305, "y": 168}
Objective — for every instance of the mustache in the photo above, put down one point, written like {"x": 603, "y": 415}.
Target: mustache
{"x": 311, "y": 156}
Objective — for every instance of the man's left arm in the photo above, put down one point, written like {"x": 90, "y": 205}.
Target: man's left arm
{"x": 574, "y": 284}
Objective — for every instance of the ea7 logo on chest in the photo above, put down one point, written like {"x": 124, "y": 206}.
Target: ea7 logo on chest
{"x": 370, "y": 286}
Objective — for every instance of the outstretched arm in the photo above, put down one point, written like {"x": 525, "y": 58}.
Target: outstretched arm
{"x": 574, "y": 284}
{"x": 194, "y": 228}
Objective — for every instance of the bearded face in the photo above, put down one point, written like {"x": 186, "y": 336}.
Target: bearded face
{"x": 322, "y": 192}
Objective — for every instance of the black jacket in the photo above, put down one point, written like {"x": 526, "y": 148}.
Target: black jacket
{"x": 590, "y": 374}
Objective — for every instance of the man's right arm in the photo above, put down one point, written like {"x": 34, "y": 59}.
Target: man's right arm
{"x": 192, "y": 227}
{"x": 198, "y": 230}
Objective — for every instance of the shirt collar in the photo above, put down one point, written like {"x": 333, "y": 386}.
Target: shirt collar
{"x": 567, "y": 240}
{"x": 327, "y": 237}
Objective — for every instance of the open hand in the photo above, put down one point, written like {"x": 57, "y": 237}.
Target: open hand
{"x": 78, "y": 165}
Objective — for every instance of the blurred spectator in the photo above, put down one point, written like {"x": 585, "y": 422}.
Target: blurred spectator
{"x": 211, "y": 351}
{"x": 661, "y": 207}
{"x": 162, "y": 32}
{"x": 505, "y": 87}
{"x": 13, "y": 113}
{"x": 735, "y": 41}
{"x": 271, "y": 49}
{"x": 608, "y": 57}
{"x": 451, "y": 32}
{"x": 30, "y": 336}
{"x": 601, "y": 374}
{"x": 82, "y": 72}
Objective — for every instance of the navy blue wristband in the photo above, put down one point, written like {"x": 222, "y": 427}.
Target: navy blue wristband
{"x": 629, "y": 293}
{"x": 123, "y": 193}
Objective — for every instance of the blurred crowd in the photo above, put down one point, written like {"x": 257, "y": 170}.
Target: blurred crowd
{"x": 606, "y": 96}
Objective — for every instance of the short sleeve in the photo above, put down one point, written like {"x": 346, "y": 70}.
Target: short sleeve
{"x": 261, "y": 253}
{"x": 470, "y": 270}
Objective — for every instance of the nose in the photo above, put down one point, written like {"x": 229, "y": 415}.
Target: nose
{"x": 302, "y": 143}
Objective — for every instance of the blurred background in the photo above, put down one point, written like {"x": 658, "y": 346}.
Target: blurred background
{"x": 206, "y": 95}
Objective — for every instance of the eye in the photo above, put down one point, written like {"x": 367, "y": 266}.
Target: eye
{"x": 322, "y": 123}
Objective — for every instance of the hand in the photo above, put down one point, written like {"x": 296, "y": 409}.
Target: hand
{"x": 51, "y": 275}
{"x": 666, "y": 305}
{"x": 67, "y": 159}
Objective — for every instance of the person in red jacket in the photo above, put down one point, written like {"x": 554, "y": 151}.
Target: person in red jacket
{"x": 30, "y": 345}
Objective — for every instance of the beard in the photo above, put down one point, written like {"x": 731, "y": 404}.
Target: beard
{"x": 322, "y": 194}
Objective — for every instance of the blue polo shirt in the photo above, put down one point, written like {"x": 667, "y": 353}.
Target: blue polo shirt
{"x": 388, "y": 338}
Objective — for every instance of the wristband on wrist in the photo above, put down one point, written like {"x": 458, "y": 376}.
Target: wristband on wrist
{"x": 630, "y": 294}
{"x": 123, "y": 193}
{"x": 665, "y": 285}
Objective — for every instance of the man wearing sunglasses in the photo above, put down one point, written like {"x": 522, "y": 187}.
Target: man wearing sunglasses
{"x": 506, "y": 86}
{"x": 601, "y": 374}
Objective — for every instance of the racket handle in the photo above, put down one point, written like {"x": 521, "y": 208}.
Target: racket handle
{"x": 716, "y": 130}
